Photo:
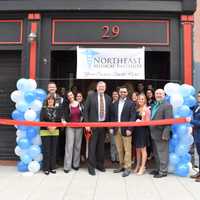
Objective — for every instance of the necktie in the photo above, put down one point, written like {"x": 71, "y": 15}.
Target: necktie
{"x": 101, "y": 108}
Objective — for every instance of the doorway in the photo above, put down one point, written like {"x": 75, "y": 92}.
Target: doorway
{"x": 63, "y": 73}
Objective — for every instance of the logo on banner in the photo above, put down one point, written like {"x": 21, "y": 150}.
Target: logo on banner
{"x": 89, "y": 56}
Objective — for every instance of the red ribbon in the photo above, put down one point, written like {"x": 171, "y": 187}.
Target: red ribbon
{"x": 92, "y": 124}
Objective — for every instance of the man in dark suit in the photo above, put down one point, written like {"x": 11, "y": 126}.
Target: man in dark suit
{"x": 161, "y": 134}
{"x": 123, "y": 110}
{"x": 96, "y": 109}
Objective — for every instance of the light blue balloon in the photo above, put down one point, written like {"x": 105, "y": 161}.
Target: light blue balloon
{"x": 24, "y": 143}
{"x": 185, "y": 90}
{"x": 187, "y": 140}
{"x": 190, "y": 101}
{"x": 182, "y": 169}
{"x": 173, "y": 159}
{"x": 40, "y": 94}
{"x": 181, "y": 129}
{"x": 181, "y": 149}
{"x": 22, "y": 106}
{"x": 183, "y": 111}
{"x": 186, "y": 158}
{"x": 34, "y": 151}
{"x": 29, "y": 96}
{"x": 25, "y": 158}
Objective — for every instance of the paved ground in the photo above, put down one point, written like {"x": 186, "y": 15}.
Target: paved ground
{"x": 78, "y": 185}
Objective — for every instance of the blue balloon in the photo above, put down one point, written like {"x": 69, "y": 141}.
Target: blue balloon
{"x": 174, "y": 127}
{"x": 167, "y": 98}
{"x": 186, "y": 158}
{"x": 17, "y": 115}
{"x": 183, "y": 111}
{"x": 40, "y": 94}
{"x": 171, "y": 146}
{"x": 181, "y": 149}
{"x": 34, "y": 151}
{"x": 189, "y": 101}
{"x": 25, "y": 158}
{"x": 29, "y": 96}
{"x": 31, "y": 133}
{"x": 24, "y": 143}
{"x": 182, "y": 169}
{"x": 174, "y": 142}
{"x": 173, "y": 159}
{"x": 181, "y": 129}
{"x": 22, "y": 167}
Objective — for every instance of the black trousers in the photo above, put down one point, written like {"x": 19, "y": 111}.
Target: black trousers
{"x": 198, "y": 151}
{"x": 96, "y": 148}
{"x": 49, "y": 146}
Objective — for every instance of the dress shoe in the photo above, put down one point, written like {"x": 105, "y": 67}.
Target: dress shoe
{"x": 118, "y": 170}
{"x": 66, "y": 171}
{"x": 91, "y": 171}
{"x": 126, "y": 173}
{"x": 160, "y": 175}
{"x": 53, "y": 171}
{"x": 102, "y": 169}
{"x": 154, "y": 172}
{"x": 46, "y": 172}
{"x": 197, "y": 179}
{"x": 195, "y": 175}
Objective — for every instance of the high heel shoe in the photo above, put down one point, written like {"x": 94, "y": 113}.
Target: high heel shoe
{"x": 135, "y": 170}
{"x": 141, "y": 171}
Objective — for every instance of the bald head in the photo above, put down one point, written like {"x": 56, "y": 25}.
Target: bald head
{"x": 159, "y": 94}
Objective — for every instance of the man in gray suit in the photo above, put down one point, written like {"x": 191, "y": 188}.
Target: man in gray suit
{"x": 96, "y": 109}
{"x": 161, "y": 134}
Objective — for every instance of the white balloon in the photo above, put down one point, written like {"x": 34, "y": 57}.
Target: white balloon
{"x": 176, "y": 100}
{"x": 172, "y": 88}
{"x": 189, "y": 130}
{"x": 33, "y": 166}
{"x": 36, "y": 105}
{"x": 18, "y": 151}
{"x": 17, "y": 96}
{"x": 30, "y": 115}
{"x": 32, "y": 84}
{"x": 37, "y": 140}
{"x": 20, "y": 133}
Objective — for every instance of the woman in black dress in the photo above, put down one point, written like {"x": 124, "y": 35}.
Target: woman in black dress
{"x": 141, "y": 135}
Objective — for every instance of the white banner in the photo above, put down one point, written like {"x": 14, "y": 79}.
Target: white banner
{"x": 110, "y": 63}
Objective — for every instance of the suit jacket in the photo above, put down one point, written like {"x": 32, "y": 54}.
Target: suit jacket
{"x": 164, "y": 112}
{"x": 90, "y": 113}
{"x": 128, "y": 114}
{"x": 196, "y": 123}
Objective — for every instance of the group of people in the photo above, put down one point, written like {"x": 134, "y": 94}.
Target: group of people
{"x": 100, "y": 107}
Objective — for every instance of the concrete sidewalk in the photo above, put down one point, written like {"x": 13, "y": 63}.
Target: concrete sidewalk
{"x": 78, "y": 185}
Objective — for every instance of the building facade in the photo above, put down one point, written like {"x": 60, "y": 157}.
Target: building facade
{"x": 38, "y": 39}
